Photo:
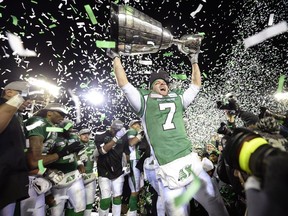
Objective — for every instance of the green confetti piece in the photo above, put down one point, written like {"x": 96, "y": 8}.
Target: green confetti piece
{"x": 167, "y": 54}
{"x": 281, "y": 83}
{"x": 83, "y": 85}
{"x": 105, "y": 44}
{"x": 189, "y": 193}
{"x": 179, "y": 76}
{"x": 52, "y": 26}
{"x": 41, "y": 166}
{"x": 14, "y": 20}
{"x": 90, "y": 14}
{"x": 35, "y": 2}
{"x": 116, "y": 2}
{"x": 69, "y": 125}
{"x": 204, "y": 75}
{"x": 102, "y": 117}
{"x": 1, "y": 15}
{"x": 74, "y": 9}
{"x": 54, "y": 129}
{"x": 201, "y": 33}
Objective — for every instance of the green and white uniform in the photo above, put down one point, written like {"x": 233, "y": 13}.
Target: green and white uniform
{"x": 37, "y": 126}
{"x": 135, "y": 174}
{"x": 70, "y": 190}
{"x": 86, "y": 156}
{"x": 162, "y": 120}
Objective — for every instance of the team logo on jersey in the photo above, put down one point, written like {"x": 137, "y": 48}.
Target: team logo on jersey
{"x": 185, "y": 172}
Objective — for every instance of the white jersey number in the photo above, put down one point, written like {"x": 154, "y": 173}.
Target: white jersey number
{"x": 168, "y": 125}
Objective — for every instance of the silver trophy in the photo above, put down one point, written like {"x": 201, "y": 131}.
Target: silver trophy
{"x": 136, "y": 33}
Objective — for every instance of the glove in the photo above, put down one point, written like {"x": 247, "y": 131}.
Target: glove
{"x": 112, "y": 54}
{"x": 54, "y": 176}
{"x": 193, "y": 56}
{"x": 120, "y": 133}
{"x": 69, "y": 149}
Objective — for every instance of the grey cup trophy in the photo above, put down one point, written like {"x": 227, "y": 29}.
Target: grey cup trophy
{"x": 136, "y": 33}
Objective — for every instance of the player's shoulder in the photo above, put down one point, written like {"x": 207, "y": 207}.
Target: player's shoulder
{"x": 35, "y": 120}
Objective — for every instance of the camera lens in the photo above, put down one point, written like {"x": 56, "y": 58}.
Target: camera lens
{"x": 245, "y": 150}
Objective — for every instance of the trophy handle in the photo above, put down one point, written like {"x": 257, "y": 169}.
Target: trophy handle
{"x": 189, "y": 43}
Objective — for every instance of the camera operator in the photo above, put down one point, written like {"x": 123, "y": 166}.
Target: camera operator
{"x": 266, "y": 187}
{"x": 264, "y": 112}
{"x": 232, "y": 110}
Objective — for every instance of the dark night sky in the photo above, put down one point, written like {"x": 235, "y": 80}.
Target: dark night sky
{"x": 64, "y": 38}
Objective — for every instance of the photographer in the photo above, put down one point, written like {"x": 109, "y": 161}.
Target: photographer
{"x": 266, "y": 187}
{"x": 232, "y": 110}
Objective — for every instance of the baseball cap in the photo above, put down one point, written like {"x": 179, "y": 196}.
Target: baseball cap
{"x": 133, "y": 122}
{"x": 17, "y": 85}
{"x": 84, "y": 131}
{"x": 117, "y": 124}
{"x": 159, "y": 74}
{"x": 56, "y": 107}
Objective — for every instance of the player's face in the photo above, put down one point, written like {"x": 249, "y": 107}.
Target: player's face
{"x": 136, "y": 126}
{"x": 84, "y": 138}
{"x": 160, "y": 87}
{"x": 56, "y": 117}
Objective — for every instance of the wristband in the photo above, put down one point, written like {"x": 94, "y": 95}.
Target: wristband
{"x": 79, "y": 162}
{"x": 139, "y": 137}
{"x": 115, "y": 139}
{"x": 15, "y": 101}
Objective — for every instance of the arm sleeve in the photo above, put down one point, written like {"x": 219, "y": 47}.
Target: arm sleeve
{"x": 133, "y": 96}
{"x": 189, "y": 95}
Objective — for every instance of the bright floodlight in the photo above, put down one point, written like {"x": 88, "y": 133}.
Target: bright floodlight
{"x": 95, "y": 97}
{"x": 52, "y": 89}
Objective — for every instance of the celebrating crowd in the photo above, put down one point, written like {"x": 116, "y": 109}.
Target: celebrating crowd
{"x": 49, "y": 168}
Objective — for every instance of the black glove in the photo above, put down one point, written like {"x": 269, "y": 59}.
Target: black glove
{"x": 69, "y": 149}
{"x": 112, "y": 53}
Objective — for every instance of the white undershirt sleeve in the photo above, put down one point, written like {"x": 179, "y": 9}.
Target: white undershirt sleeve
{"x": 189, "y": 95}
{"x": 133, "y": 96}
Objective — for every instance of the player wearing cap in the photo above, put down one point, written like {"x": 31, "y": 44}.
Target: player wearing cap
{"x": 135, "y": 135}
{"x": 86, "y": 157}
{"x": 13, "y": 167}
{"x": 111, "y": 145}
{"x": 41, "y": 131}
{"x": 68, "y": 195}
{"x": 161, "y": 111}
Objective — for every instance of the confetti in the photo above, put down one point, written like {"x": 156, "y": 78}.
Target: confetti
{"x": 266, "y": 34}
{"x": 16, "y": 45}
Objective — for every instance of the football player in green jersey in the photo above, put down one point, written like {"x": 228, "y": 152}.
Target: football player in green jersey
{"x": 135, "y": 135}
{"x": 161, "y": 112}
{"x": 86, "y": 157}
{"x": 41, "y": 131}
{"x": 69, "y": 193}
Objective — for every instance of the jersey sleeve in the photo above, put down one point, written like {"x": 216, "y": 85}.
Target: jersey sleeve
{"x": 133, "y": 96}
{"x": 190, "y": 94}
{"x": 35, "y": 127}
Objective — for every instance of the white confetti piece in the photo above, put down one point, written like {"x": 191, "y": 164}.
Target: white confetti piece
{"x": 196, "y": 11}
{"x": 265, "y": 34}
{"x": 145, "y": 62}
{"x": 16, "y": 45}
{"x": 271, "y": 19}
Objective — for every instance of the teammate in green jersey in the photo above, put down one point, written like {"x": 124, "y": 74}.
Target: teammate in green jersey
{"x": 41, "y": 131}
{"x": 86, "y": 157}
{"x": 69, "y": 193}
{"x": 161, "y": 112}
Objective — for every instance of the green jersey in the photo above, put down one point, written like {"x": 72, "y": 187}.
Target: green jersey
{"x": 134, "y": 150}
{"x": 38, "y": 126}
{"x": 87, "y": 157}
{"x": 162, "y": 116}
{"x": 67, "y": 163}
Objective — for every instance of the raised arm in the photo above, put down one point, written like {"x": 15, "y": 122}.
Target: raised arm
{"x": 120, "y": 74}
